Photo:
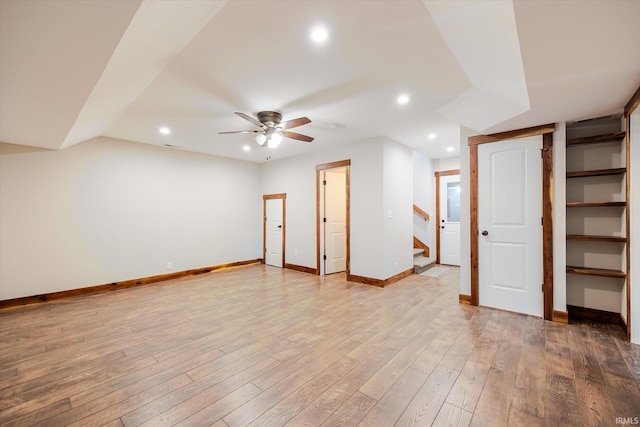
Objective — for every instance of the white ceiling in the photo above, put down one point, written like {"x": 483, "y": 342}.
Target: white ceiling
{"x": 74, "y": 70}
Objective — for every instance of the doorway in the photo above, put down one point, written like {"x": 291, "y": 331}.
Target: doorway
{"x": 448, "y": 217}
{"x": 482, "y": 265}
{"x": 274, "y": 209}
{"x": 332, "y": 218}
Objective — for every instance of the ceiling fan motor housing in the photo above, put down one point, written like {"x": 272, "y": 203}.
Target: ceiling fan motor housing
{"x": 269, "y": 118}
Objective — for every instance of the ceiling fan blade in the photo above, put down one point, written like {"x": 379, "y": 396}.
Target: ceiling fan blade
{"x": 240, "y": 131}
{"x": 294, "y": 123}
{"x": 298, "y": 136}
{"x": 250, "y": 119}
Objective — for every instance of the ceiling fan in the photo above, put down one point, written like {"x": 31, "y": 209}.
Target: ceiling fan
{"x": 272, "y": 129}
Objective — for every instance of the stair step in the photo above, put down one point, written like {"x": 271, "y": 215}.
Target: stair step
{"x": 421, "y": 265}
{"x": 418, "y": 252}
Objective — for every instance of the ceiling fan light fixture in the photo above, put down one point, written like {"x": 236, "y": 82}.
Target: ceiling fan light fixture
{"x": 274, "y": 140}
{"x": 261, "y": 138}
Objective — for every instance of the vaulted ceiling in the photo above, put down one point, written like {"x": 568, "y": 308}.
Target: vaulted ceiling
{"x": 73, "y": 70}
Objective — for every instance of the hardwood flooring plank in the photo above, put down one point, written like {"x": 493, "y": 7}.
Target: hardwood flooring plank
{"x": 468, "y": 386}
{"x": 519, "y": 418}
{"x": 452, "y": 416}
{"x": 427, "y": 403}
{"x": 326, "y": 404}
{"x": 391, "y": 405}
{"x": 351, "y": 412}
{"x": 561, "y": 401}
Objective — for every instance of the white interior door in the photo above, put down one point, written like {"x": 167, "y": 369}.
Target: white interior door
{"x": 510, "y": 225}
{"x": 335, "y": 213}
{"x": 273, "y": 234}
{"x": 450, "y": 219}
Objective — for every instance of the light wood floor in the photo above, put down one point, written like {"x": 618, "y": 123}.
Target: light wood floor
{"x": 258, "y": 345}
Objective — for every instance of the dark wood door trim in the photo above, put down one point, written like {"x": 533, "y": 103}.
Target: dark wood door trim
{"x": 438, "y": 174}
{"x": 547, "y": 208}
{"x": 266, "y": 197}
{"x": 319, "y": 169}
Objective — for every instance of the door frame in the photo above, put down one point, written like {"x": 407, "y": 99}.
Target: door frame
{"x": 438, "y": 174}
{"x": 266, "y": 197}
{"x": 547, "y": 207}
{"x": 319, "y": 169}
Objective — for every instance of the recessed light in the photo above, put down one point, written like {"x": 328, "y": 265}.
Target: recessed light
{"x": 432, "y": 136}
{"x": 403, "y": 99}
{"x": 319, "y": 34}
{"x": 165, "y": 130}
{"x": 450, "y": 149}
{"x": 246, "y": 148}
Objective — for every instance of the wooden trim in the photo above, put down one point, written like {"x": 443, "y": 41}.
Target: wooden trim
{"x": 633, "y": 103}
{"x": 333, "y": 165}
{"x": 438, "y": 174}
{"x": 464, "y": 299}
{"x": 420, "y": 212}
{"x": 593, "y": 238}
{"x": 319, "y": 168}
{"x": 547, "y": 205}
{"x": 632, "y": 107}
{"x": 381, "y": 283}
{"x": 417, "y": 243}
{"x": 595, "y": 204}
{"x": 513, "y": 134}
{"x": 560, "y": 317}
{"x": 266, "y": 197}
{"x": 274, "y": 196}
{"x": 594, "y": 315}
{"x": 473, "y": 228}
{"x": 447, "y": 172}
{"x": 300, "y": 268}
{"x": 115, "y": 286}
{"x": 547, "y": 223}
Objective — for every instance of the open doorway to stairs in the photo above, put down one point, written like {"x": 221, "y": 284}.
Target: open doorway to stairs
{"x": 332, "y": 218}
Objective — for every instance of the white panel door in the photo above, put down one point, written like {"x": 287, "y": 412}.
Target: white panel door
{"x": 450, "y": 220}
{"x": 273, "y": 234}
{"x": 510, "y": 227}
{"x": 335, "y": 208}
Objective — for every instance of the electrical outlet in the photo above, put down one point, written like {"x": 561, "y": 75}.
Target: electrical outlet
{"x": 169, "y": 265}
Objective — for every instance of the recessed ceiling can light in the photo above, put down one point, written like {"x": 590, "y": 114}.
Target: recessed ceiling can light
{"x": 403, "y": 99}
{"x": 319, "y": 34}
{"x": 449, "y": 149}
{"x": 431, "y": 136}
{"x": 246, "y": 148}
{"x": 165, "y": 130}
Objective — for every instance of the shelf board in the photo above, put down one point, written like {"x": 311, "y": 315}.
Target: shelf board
{"x": 593, "y": 238}
{"x": 616, "y": 136}
{"x": 598, "y": 172}
{"x": 603, "y": 272}
{"x": 594, "y": 204}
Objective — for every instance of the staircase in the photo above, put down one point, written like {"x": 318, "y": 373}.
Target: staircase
{"x": 420, "y": 262}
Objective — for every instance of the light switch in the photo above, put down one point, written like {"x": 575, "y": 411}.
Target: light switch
{"x": 389, "y": 214}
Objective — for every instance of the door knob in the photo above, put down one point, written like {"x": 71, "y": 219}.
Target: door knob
{"x": 442, "y": 226}
{"x": 279, "y": 226}
{"x": 485, "y": 233}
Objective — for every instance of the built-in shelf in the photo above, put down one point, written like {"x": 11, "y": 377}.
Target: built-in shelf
{"x": 592, "y": 238}
{"x": 594, "y": 204}
{"x": 616, "y": 136}
{"x": 603, "y": 272}
{"x": 599, "y": 172}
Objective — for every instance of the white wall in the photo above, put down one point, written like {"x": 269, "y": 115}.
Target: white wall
{"x": 397, "y": 253}
{"x": 109, "y": 210}
{"x": 465, "y": 208}
{"x": 559, "y": 218}
{"x": 447, "y": 164}
{"x": 424, "y": 196}
{"x": 634, "y": 204}
{"x": 369, "y": 256}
